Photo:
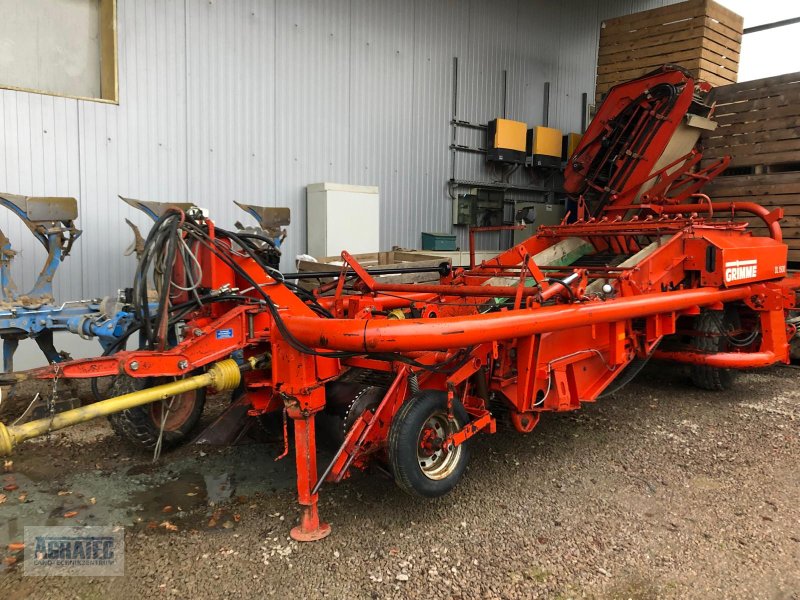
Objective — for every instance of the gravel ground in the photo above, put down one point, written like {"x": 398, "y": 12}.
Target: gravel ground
{"x": 661, "y": 491}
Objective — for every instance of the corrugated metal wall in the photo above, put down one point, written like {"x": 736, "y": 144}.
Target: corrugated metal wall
{"x": 251, "y": 100}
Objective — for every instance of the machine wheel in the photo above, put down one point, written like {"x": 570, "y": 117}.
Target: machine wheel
{"x": 712, "y": 340}
{"x": 346, "y": 403}
{"x": 420, "y": 465}
{"x": 141, "y": 425}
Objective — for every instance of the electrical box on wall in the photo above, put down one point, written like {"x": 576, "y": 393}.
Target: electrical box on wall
{"x": 479, "y": 208}
{"x": 535, "y": 214}
{"x": 543, "y": 146}
{"x": 342, "y": 217}
{"x": 506, "y": 141}
{"x": 568, "y": 145}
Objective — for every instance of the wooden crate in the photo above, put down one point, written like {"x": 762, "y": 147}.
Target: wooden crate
{"x": 759, "y": 128}
{"x": 386, "y": 260}
{"x": 759, "y": 123}
{"x": 772, "y": 190}
{"x": 700, "y": 35}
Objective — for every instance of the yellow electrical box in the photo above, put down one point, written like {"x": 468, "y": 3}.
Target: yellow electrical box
{"x": 506, "y": 141}
{"x": 571, "y": 141}
{"x": 509, "y": 135}
{"x": 544, "y": 147}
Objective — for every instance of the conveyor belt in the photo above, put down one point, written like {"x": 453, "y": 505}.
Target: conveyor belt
{"x": 601, "y": 259}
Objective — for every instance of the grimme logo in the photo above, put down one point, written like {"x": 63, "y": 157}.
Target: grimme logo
{"x": 740, "y": 269}
{"x": 91, "y": 551}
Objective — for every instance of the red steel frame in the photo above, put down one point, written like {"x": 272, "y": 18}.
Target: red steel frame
{"x": 555, "y": 343}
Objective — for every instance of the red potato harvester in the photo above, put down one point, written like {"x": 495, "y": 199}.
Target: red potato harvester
{"x": 408, "y": 373}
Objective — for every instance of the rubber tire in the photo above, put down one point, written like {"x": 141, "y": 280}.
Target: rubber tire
{"x": 403, "y": 436}
{"x": 136, "y": 425}
{"x": 704, "y": 377}
{"x": 334, "y": 423}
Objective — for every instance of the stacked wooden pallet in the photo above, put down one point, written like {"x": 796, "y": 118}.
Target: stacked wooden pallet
{"x": 759, "y": 123}
{"x": 700, "y": 35}
{"x": 759, "y": 128}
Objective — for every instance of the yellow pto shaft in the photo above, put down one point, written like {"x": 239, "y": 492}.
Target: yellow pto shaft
{"x": 224, "y": 375}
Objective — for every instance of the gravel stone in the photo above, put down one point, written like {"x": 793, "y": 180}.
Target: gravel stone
{"x": 660, "y": 491}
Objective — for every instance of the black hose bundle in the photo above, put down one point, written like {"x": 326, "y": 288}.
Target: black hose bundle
{"x": 179, "y": 235}
{"x": 158, "y": 256}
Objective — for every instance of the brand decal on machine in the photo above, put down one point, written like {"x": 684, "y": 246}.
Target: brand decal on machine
{"x": 737, "y": 270}
{"x": 224, "y": 334}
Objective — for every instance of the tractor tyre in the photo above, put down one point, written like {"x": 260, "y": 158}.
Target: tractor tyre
{"x": 421, "y": 467}
{"x": 711, "y": 340}
{"x": 141, "y": 425}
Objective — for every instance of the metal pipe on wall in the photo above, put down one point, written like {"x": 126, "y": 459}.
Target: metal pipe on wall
{"x": 546, "y": 105}
{"x": 584, "y": 111}
{"x": 453, "y": 125}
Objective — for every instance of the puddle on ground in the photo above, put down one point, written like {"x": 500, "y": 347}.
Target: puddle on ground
{"x": 184, "y": 491}
{"x": 218, "y": 487}
{"x": 171, "y": 500}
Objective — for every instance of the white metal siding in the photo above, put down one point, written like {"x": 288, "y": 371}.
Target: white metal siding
{"x": 252, "y": 100}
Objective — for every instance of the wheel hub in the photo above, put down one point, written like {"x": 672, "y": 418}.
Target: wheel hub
{"x": 178, "y": 409}
{"x": 434, "y": 460}
{"x": 431, "y": 442}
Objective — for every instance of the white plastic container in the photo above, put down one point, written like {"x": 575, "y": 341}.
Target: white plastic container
{"x": 342, "y": 217}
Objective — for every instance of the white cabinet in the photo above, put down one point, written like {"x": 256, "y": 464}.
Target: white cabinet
{"x": 342, "y": 217}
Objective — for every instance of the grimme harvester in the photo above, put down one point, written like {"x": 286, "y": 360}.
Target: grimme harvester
{"x": 409, "y": 373}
